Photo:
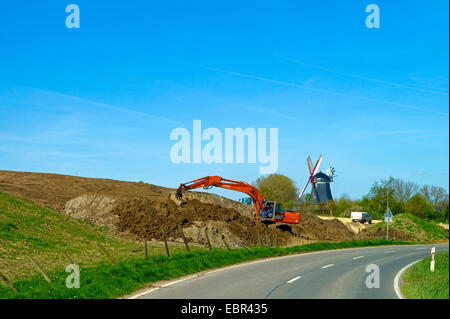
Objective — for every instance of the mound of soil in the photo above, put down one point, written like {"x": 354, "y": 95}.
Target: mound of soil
{"x": 54, "y": 190}
{"x": 147, "y": 218}
{"x": 313, "y": 228}
{"x": 144, "y": 210}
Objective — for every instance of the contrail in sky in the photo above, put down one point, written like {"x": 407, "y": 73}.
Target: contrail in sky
{"x": 290, "y": 84}
{"x": 356, "y": 76}
{"x": 110, "y": 107}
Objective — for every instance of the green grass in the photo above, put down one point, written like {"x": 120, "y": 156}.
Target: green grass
{"x": 27, "y": 230}
{"x": 422, "y": 230}
{"x": 108, "y": 280}
{"x": 421, "y": 283}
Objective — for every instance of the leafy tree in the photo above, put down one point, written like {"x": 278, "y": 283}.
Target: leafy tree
{"x": 289, "y": 205}
{"x": 382, "y": 194}
{"x": 332, "y": 206}
{"x": 277, "y": 187}
{"x": 343, "y": 205}
{"x": 419, "y": 206}
{"x": 445, "y": 213}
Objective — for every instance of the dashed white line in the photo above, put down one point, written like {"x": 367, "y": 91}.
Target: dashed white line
{"x": 330, "y": 265}
{"x": 294, "y": 279}
{"x": 389, "y": 251}
{"x": 358, "y": 257}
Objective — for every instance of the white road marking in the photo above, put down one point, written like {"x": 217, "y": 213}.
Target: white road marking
{"x": 358, "y": 257}
{"x": 177, "y": 281}
{"x": 162, "y": 286}
{"x": 294, "y": 279}
{"x": 389, "y": 251}
{"x": 397, "y": 280}
{"x": 422, "y": 248}
{"x": 330, "y": 265}
{"x": 142, "y": 293}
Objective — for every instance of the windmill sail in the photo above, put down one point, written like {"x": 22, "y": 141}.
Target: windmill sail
{"x": 310, "y": 165}
{"x": 316, "y": 168}
{"x": 304, "y": 188}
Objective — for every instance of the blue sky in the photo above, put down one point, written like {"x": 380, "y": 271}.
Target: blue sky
{"x": 101, "y": 101}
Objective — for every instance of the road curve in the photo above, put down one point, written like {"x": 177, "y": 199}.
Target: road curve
{"x": 327, "y": 274}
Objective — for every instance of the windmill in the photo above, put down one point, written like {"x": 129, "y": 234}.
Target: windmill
{"x": 312, "y": 171}
{"x": 320, "y": 183}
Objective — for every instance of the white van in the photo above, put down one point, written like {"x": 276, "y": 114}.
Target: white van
{"x": 361, "y": 217}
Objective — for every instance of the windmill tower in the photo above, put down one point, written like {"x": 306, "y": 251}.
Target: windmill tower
{"x": 321, "y": 192}
{"x": 320, "y": 184}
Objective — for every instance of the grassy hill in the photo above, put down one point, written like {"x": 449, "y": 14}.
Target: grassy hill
{"x": 415, "y": 227}
{"x": 48, "y": 236}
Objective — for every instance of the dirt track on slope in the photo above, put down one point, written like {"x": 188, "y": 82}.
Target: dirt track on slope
{"x": 144, "y": 210}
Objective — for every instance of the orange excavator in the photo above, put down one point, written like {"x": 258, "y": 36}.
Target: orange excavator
{"x": 268, "y": 212}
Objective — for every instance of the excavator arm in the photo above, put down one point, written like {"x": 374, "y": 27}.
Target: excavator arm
{"x": 259, "y": 202}
{"x": 217, "y": 181}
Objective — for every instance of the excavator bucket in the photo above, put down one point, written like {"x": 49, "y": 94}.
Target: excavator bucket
{"x": 177, "y": 199}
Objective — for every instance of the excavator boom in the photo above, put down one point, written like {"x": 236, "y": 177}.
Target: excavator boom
{"x": 258, "y": 200}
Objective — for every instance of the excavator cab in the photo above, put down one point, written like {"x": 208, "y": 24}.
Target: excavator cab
{"x": 271, "y": 212}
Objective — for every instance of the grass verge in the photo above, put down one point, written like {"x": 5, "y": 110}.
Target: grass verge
{"x": 109, "y": 280}
{"x": 421, "y": 283}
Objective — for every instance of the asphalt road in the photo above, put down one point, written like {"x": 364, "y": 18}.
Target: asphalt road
{"x": 327, "y": 274}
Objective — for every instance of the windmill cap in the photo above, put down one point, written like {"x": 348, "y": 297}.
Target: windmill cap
{"x": 322, "y": 177}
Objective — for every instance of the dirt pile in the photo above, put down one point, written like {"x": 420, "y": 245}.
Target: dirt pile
{"x": 147, "y": 218}
{"x": 313, "y": 228}
{"x": 246, "y": 210}
{"x": 97, "y": 209}
{"x": 144, "y": 210}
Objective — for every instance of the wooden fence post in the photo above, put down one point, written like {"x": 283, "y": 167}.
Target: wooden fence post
{"x": 40, "y": 270}
{"x": 165, "y": 243}
{"x": 184, "y": 238}
{"x": 8, "y": 282}
{"x": 207, "y": 238}
{"x": 259, "y": 240}
{"x": 145, "y": 247}
{"x": 224, "y": 241}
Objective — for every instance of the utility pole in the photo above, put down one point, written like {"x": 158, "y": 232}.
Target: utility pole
{"x": 387, "y": 223}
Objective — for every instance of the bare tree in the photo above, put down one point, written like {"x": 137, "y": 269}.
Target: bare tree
{"x": 403, "y": 190}
{"x": 434, "y": 194}
{"x": 438, "y": 195}
{"x": 425, "y": 191}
